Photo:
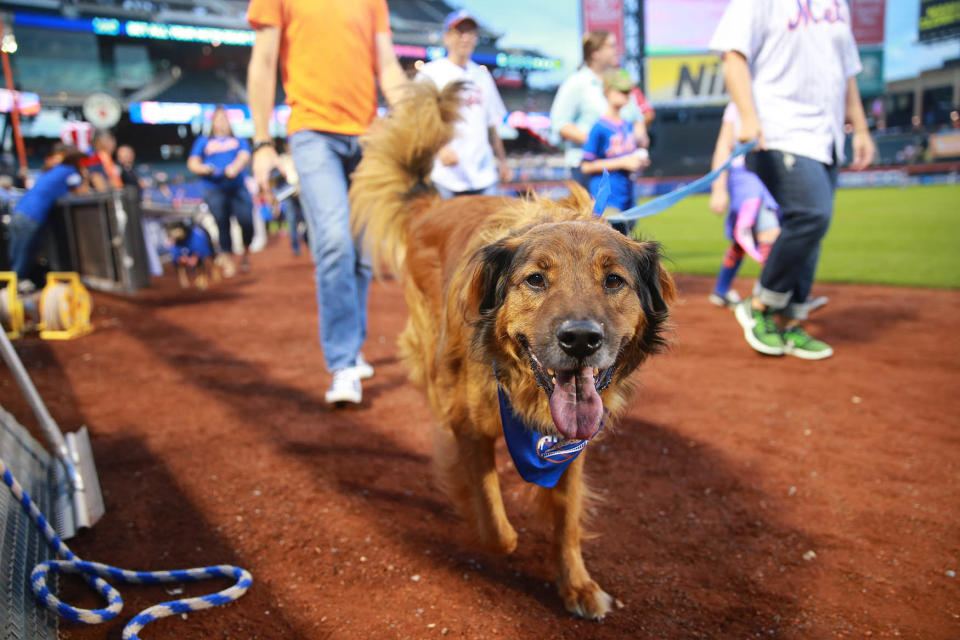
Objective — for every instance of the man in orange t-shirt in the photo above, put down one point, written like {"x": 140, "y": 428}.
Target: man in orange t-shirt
{"x": 332, "y": 54}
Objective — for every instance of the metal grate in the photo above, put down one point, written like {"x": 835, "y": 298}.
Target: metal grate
{"x": 21, "y": 545}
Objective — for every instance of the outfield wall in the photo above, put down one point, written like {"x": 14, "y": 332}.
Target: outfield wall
{"x": 906, "y": 176}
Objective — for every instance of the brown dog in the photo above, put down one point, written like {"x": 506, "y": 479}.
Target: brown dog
{"x": 537, "y": 296}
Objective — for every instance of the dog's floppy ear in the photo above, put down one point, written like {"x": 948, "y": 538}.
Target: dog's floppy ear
{"x": 656, "y": 291}
{"x": 487, "y": 286}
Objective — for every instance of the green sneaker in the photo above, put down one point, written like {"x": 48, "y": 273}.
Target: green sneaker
{"x": 760, "y": 330}
{"x": 799, "y": 343}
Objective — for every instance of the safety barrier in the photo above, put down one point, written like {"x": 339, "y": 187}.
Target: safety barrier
{"x": 100, "y": 237}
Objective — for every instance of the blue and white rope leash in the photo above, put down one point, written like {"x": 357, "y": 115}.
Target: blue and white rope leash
{"x": 667, "y": 200}
{"x": 94, "y": 572}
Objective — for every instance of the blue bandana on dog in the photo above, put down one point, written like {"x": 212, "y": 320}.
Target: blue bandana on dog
{"x": 538, "y": 458}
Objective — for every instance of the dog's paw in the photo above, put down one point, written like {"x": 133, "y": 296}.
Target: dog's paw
{"x": 502, "y": 542}
{"x": 587, "y": 601}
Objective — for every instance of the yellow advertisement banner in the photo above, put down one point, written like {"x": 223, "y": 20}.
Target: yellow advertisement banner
{"x": 685, "y": 80}
{"x": 945, "y": 145}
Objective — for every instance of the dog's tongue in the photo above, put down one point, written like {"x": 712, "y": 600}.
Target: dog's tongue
{"x": 575, "y": 405}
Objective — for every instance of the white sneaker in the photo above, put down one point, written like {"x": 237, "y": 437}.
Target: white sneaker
{"x": 815, "y": 303}
{"x": 363, "y": 368}
{"x": 345, "y": 387}
{"x": 729, "y": 300}
{"x": 227, "y": 268}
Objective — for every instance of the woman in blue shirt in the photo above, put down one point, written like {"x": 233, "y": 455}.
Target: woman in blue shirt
{"x": 61, "y": 175}
{"x": 221, "y": 160}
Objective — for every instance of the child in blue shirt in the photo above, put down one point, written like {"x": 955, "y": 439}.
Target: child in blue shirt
{"x": 61, "y": 175}
{"x": 192, "y": 250}
{"x": 611, "y": 145}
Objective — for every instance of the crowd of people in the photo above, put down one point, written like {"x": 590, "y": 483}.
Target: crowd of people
{"x": 778, "y": 209}
{"x": 777, "y": 201}
{"x": 65, "y": 170}
{"x": 219, "y": 159}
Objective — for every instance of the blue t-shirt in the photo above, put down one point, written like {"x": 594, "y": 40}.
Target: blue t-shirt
{"x": 608, "y": 139}
{"x": 196, "y": 244}
{"x": 50, "y": 185}
{"x": 220, "y": 152}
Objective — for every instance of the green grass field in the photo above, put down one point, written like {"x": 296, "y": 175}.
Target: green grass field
{"x": 900, "y": 236}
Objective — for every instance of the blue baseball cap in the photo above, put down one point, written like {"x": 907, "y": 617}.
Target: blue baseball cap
{"x": 456, "y": 17}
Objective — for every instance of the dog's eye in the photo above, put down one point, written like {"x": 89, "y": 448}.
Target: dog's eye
{"x": 613, "y": 281}
{"x": 536, "y": 280}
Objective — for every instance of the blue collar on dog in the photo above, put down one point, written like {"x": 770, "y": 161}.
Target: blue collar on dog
{"x": 539, "y": 459}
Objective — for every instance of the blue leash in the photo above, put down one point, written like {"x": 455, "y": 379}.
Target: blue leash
{"x": 94, "y": 572}
{"x": 667, "y": 200}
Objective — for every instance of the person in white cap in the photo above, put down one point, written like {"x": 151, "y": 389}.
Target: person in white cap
{"x": 475, "y": 159}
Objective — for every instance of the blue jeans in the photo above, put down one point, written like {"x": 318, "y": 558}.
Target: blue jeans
{"x": 227, "y": 202}
{"x": 804, "y": 189}
{"x": 342, "y": 266}
{"x": 293, "y": 214}
{"x": 22, "y": 248}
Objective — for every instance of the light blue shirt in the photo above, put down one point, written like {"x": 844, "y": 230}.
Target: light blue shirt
{"x": 580, "y": 101}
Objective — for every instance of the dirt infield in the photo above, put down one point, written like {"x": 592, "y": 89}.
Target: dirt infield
{"x": 745, "y": 497}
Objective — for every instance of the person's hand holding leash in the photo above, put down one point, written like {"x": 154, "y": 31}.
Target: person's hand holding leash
{"x": 750, "y": 130}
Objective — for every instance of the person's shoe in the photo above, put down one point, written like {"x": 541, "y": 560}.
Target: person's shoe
{"x": 760, "y": 329}
{"x": 729, "y": 299}
{"x": 815, "y": 303}
{"x": 801, "y": 344}
{"x": 227, "y": 268}
{"x": 245, "y": 264}
{"x": 363, "y": 368}
{"x": 345, "y": 387}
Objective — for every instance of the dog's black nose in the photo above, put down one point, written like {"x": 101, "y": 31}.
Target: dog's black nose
{"x": 580, "y": 338}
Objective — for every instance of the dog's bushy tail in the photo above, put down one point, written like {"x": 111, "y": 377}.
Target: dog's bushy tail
{"x": 392, "y": 183}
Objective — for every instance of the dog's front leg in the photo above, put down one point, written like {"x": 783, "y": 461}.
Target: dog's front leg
{"x": 182, "y": 277}
{"x": 477, "y": 463}
{"x": 201, "y": 281}
{"x": 581, "y": 595}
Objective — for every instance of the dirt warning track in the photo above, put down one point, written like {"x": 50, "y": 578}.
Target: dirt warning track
{"x": 744, "y": 496}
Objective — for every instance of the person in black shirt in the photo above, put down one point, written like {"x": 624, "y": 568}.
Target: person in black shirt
{"x": 125, "y": 159}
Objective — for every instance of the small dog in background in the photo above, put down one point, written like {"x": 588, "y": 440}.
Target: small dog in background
{"x": 192, "y": 252}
